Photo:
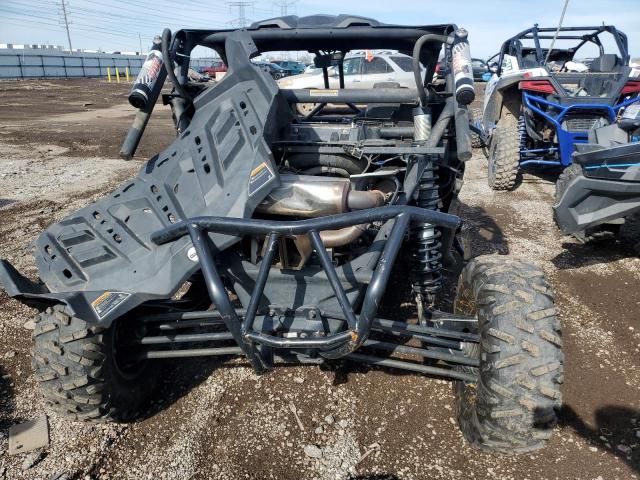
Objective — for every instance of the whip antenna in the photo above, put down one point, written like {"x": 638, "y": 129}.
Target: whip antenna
{"x": 555, "y": 35}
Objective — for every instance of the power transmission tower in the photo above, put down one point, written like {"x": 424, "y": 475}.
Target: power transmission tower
{"x": 64, "y": 4}
{"x": 284, "y": 6}
{"x": 241, "y": 20}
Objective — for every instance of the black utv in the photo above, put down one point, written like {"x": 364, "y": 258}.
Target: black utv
{"x": 278, "y": 236}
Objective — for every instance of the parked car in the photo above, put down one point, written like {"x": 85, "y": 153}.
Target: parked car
{"x": 216, "y": 67}
{"x": 276, "y": 71}
{"x": 479, "y": 67}
{"x": 292, "y": 67}
{"x": 360, "y": 72}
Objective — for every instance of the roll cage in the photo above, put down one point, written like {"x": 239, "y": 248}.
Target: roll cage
{"x": 317, "y": 34}
{"x": 513, "y": 46}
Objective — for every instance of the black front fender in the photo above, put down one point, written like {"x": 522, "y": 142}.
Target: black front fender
{"x": 100, "y": 307}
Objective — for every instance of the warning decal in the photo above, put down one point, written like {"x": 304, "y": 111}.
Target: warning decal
{"x": 324, "y": 93}
{"x": 259, "y": 177}
{"x": 107, "y": 302}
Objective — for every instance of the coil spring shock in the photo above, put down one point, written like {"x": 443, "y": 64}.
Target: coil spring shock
{"x": 522, "y": 133}
{"x": 426, "y": 257}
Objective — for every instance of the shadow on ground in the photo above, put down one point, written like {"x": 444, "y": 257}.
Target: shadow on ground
{"x": 6, "y": 201}
{"x": 178, "y": 379}
{"x": 615, "y": 431}
{"x": 484, "y": 233}
{"x": 7, "y": 400}
{"x": 602, "y": 250}
{"x": 539, "y": 175}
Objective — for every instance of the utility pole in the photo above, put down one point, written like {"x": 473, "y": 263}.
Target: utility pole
{"x": 284, "y": 6}
{"x": 64, "y": 4}
{"x": 241, "y": 20}
{"x": 140, "y": 40}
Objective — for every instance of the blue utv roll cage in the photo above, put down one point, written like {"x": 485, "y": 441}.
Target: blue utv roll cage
{"x": 566, "y": 138}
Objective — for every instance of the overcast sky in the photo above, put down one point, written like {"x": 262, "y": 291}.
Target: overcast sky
{"x": 114, "y": 25}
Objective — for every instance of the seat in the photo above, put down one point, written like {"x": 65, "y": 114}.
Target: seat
{"x": 605, "y": 63}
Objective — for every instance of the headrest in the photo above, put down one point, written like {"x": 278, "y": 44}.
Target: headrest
{"x": 604, "y": 63}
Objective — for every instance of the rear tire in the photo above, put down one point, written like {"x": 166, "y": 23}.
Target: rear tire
{"x": 77, "y": 365}
{"x": 513, "y": 407}
{"x": 504, "y": 154}
{"x": 629, "y": 235}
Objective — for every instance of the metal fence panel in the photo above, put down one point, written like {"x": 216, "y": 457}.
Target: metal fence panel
{"x": 36, "y": 64}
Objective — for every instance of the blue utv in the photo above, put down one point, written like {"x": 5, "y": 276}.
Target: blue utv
{"x": 545, "y": 97}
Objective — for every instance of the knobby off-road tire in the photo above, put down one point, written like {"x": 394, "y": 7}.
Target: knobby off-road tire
{"x": 514, "y": 404}
{"x": 567, "y": 175}
{"x": 79, "y": 376}
{"x": 572, "y": 171}
{"x": 476, "y": 116}
{"x": 504, "y": 154}
{"x": 629, "y": 235}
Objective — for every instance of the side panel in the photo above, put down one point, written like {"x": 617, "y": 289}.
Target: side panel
{"x": 589, "y": 202}
{"x": 221, "y": 165}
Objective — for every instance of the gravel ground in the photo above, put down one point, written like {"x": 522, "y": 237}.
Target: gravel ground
{"x": 220, "y": 421}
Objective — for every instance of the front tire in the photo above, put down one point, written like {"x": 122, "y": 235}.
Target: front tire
{"x": 504, "y": 154}
{"x": 513, "y": 406}
{"x": 629, "y": 235}
{"x": 81, "y": 368}
{"x": 476, "y": 116}
{"x": 568, "y": 174}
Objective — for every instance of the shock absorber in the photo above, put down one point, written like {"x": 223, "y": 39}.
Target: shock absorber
{"x": 426, "y": 255}
{"x": 522, "y": 133}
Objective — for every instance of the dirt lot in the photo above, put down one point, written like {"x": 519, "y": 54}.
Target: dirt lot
{"x": 58, "y": 151}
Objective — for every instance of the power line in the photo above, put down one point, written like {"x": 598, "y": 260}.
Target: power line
{"x": 64, "y": 4}
{"x": 284, "y": 6}
{"x": 148, "y": 12}
{"x": 241, "y": 20}
{"x": 124, "y": 18}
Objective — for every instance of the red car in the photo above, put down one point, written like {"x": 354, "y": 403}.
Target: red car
{"x": 216, "y": 67}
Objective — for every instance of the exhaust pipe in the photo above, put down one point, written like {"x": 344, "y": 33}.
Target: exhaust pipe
{"x": 308, "y": 196}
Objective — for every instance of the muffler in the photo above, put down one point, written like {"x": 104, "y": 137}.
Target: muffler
{"x": 308, "y": 196}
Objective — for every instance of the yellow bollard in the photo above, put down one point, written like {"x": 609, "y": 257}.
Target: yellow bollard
{"x": 117, "y": 75}
{"x": 109, "y": 74}
{"x": 126, "y": 72}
